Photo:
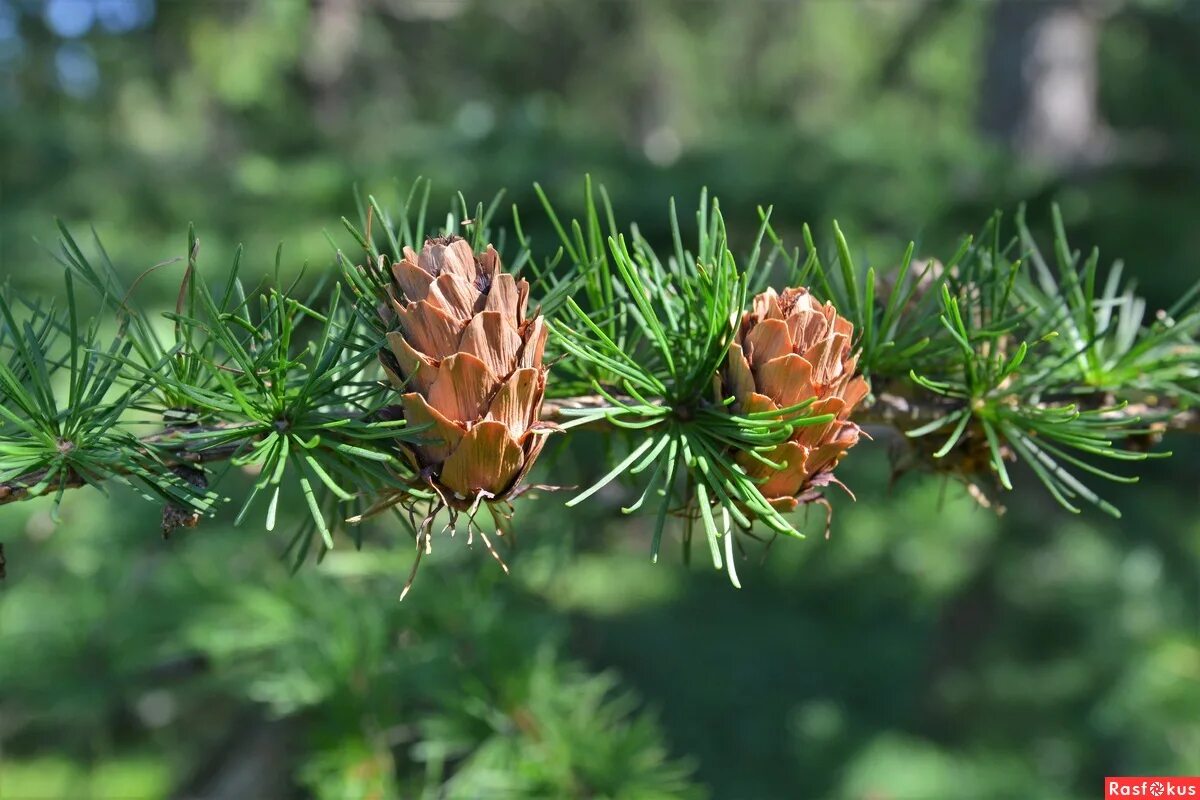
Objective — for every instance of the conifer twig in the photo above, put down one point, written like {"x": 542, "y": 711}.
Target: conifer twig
{"x": 887, "y": 411}
{"x": 18, "y": 488}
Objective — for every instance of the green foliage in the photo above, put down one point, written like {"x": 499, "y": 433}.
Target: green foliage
{"x": 1005, "y": 343}
{"x": 62, "y": 404}
{"x": 421, "y": 699}
{"x": 504, "y": 717}
{"x": 930, "y": 648}
{"x": 572, "y": 737}
{"x": 264, "y": 380}
{"x": 651, "y": 340}
{"x": 291, "y": 392}
{"x": 974, "y": 331}
{"x": 287, "y": 405}
{"x": 1106, "y": 343}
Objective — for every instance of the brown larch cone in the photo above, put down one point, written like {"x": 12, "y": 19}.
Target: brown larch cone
{"x": 470, "y": 366}
{"x": 790, "y": 348}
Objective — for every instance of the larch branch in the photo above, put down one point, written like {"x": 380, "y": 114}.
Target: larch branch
{"x": 887, "y": 411}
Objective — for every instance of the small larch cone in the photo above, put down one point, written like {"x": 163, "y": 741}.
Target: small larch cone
{"x": 469, "y": 365}
{"x": 790, "y": 348}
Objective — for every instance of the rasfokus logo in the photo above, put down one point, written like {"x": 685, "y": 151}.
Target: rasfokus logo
{"x": 1164, "y": 786}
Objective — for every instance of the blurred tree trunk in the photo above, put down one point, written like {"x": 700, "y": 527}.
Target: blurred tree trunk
{"x": 334, "y": 39}
{"x": 253, "y": 762}
{"x": 1040, "y": 81}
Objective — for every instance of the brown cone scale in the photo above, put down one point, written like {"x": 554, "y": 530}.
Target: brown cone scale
{"x": 790, "y": 348}
{"x": 469, "y": 365}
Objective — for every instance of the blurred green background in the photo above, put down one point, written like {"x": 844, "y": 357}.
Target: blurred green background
{"x": 929, "y": 649}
